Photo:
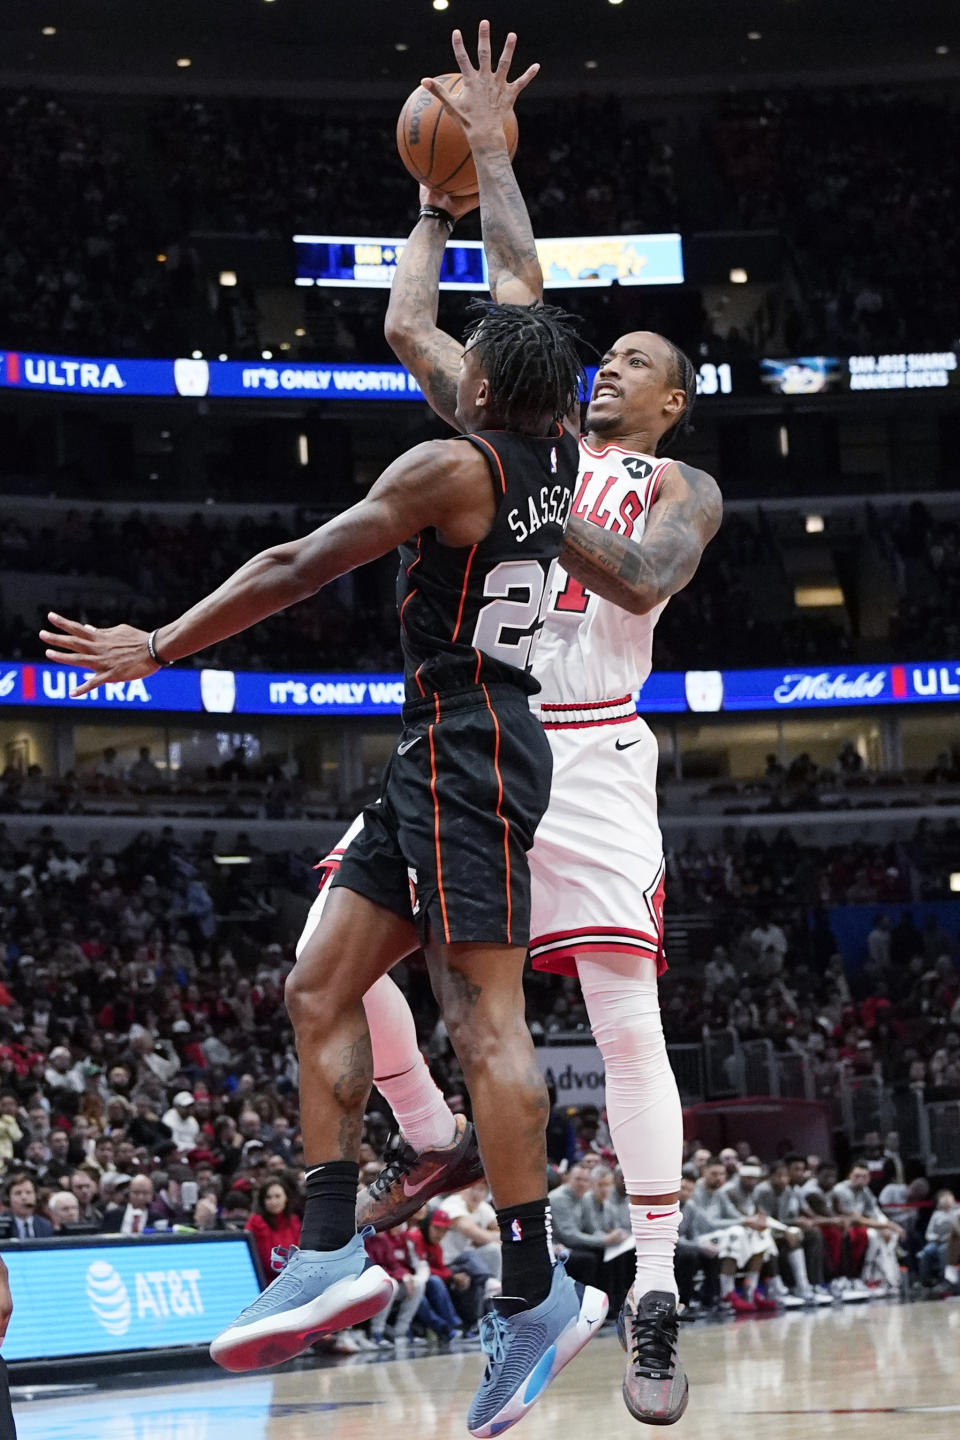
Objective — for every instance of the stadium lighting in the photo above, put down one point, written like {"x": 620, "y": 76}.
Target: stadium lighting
{"x": 441, "y": 4}
{"x": 590, "y": 64}
{"x": 616, "y": 2}
{"x": 817, "y": 597}
{"x": 738, "y": 276}
{"x": 221, "y": 357}
{"x": 196, "y": 354}
{"x": 401, "y": 45}
{"x": 813, "y": 524}
{"x": 184, "y": 62}
{"x": 955, "y": 882}
{"x": 232, "y": 860}
{"x": 228, "y": 279}
{"x": 754, "y": 35}
{"x": 49, "y": 30}
{"x": 941, "y": 49}
{"x": 161, "y": 259}
{"x": 266, "y": 354}
{"x": 783, "y": 441}
{"x": 303, "y": 450}
{"x": 299, "y": 332}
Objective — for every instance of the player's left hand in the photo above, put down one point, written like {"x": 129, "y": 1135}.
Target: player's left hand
{"x": 119, "y": 653}
{"x": 455, "y": 205}
{"x": 486, "y": 95}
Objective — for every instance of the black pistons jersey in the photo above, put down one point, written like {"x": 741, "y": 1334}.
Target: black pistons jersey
{"x": 470, "y": 615}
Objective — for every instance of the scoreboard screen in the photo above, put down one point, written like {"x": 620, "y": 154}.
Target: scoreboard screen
{"x": 570, "y": 263}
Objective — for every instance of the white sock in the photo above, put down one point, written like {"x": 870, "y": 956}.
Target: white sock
{"x": 951, "y": 1274}
{"x": 726, "y": 1284}
{"x": 799, "y": 1260}
{"x": 750, "y": 1283}
{"x": 656, "y": 1245}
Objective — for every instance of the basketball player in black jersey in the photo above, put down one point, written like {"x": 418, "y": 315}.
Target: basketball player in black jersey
{"x": 442, "y": 856}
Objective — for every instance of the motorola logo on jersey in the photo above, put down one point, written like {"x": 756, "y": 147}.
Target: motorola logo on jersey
{"x": 704, "y": 690}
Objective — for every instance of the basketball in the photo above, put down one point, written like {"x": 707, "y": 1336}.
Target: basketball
{"x": 433, "y": 145}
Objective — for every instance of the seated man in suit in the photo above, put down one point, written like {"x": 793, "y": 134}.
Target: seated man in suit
{"x": 24, "y": 1222}
{"x": 134, "y": 1209}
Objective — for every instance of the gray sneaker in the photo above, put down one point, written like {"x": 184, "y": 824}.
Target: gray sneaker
{"x": 317, "y": 1291}
{"x": 655, "y": 1387}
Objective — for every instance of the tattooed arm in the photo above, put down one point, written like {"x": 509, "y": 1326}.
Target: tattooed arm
{"x": 429, "y": 353}
{"x": 639, "y": 576}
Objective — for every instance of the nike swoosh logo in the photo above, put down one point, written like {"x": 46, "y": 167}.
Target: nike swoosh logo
{"x": 409, "y": 1189}
{"x": 662, "y": 1215}
{"x": 621, "y": 746}
{"x": 408, "y": 745}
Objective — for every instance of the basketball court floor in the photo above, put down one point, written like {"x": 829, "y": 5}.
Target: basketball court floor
{"x": 883, "y": 1371}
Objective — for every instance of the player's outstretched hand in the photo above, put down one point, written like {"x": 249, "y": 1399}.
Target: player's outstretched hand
{"x": 486, "y": 96}
{"x": 119, "y": 653}
{"x": 455, "y": 205}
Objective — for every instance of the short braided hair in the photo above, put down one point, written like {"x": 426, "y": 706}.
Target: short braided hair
{"x": 684, "y": 376}
{"x": 529, "y": 354}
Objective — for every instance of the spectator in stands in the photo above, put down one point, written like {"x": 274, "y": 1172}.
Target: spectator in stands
{"x": 942, "y": 1239}
{"x": 64, "y": 1211}
{"x": 182, "y": 1123}
{"x": 84, "y": 1186}
{"x": 24, "y": 1221}
{"x": 606, "y": 1212}
{"x": 854, "y": 1199}
{"x": 143, "y": 774}
{"x": 799, "y": 1243}
{"x": 131, "y": 1213}
{"x": 395, "y": 1251}
{"x": 473, "y": 1228}
{"x": 273, "y": 1224}
{"x": 743, "y": 1241}
{"x": 878, "y": 942}
{"x": 585, "y": 1244}
{"x": 437, "y": 1310}
{"x": 697, "y": 1251}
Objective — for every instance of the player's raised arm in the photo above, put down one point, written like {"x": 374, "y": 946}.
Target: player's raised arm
{"x": 483, "y": 101}
{"x": 639, "y": 575}
{"x": 442, "y": 483}
{"x": 429, "y": 353}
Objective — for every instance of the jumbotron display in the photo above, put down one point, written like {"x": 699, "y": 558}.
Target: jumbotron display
{"x": 568, "y": 263}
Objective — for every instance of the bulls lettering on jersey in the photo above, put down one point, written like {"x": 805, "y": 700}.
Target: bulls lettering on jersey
{"x": 470, "y": 615}
{"x": 590, "y": 649}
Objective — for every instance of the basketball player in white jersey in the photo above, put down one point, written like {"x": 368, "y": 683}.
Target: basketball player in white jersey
{"x": 597, "y": 861}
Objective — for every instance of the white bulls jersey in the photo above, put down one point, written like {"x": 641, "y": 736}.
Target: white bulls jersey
{"x": 590, "y": 650}
{"x": 596, "y": 866}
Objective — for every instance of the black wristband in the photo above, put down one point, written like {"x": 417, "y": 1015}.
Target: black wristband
{"x": 152, "y": 649}
{"x": 436, "y": 212}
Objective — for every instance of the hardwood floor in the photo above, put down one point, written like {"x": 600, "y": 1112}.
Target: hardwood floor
{"x": 883, "y": 1371}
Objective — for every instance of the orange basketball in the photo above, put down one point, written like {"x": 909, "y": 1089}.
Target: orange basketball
{"x": 433, "y": 145}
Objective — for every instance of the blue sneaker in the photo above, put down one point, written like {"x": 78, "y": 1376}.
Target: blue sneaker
{"x": 526, "y": 1348}
{"x": 317, "y": 1291}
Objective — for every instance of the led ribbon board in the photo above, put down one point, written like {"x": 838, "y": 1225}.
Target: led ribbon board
{"x": 252, "y": 692}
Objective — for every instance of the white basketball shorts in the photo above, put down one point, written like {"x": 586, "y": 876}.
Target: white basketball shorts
{"x": 597, "y": 860}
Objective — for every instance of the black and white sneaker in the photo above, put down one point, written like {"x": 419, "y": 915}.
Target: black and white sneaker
{"x": 655, "y": 1386}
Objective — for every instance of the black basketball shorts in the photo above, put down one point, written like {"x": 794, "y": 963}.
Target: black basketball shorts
{"x": 463, "y": 793}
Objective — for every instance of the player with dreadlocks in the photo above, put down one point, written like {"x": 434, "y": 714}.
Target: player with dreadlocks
{"x": 640, "y": 524}
{"x": 440, "y": 860}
